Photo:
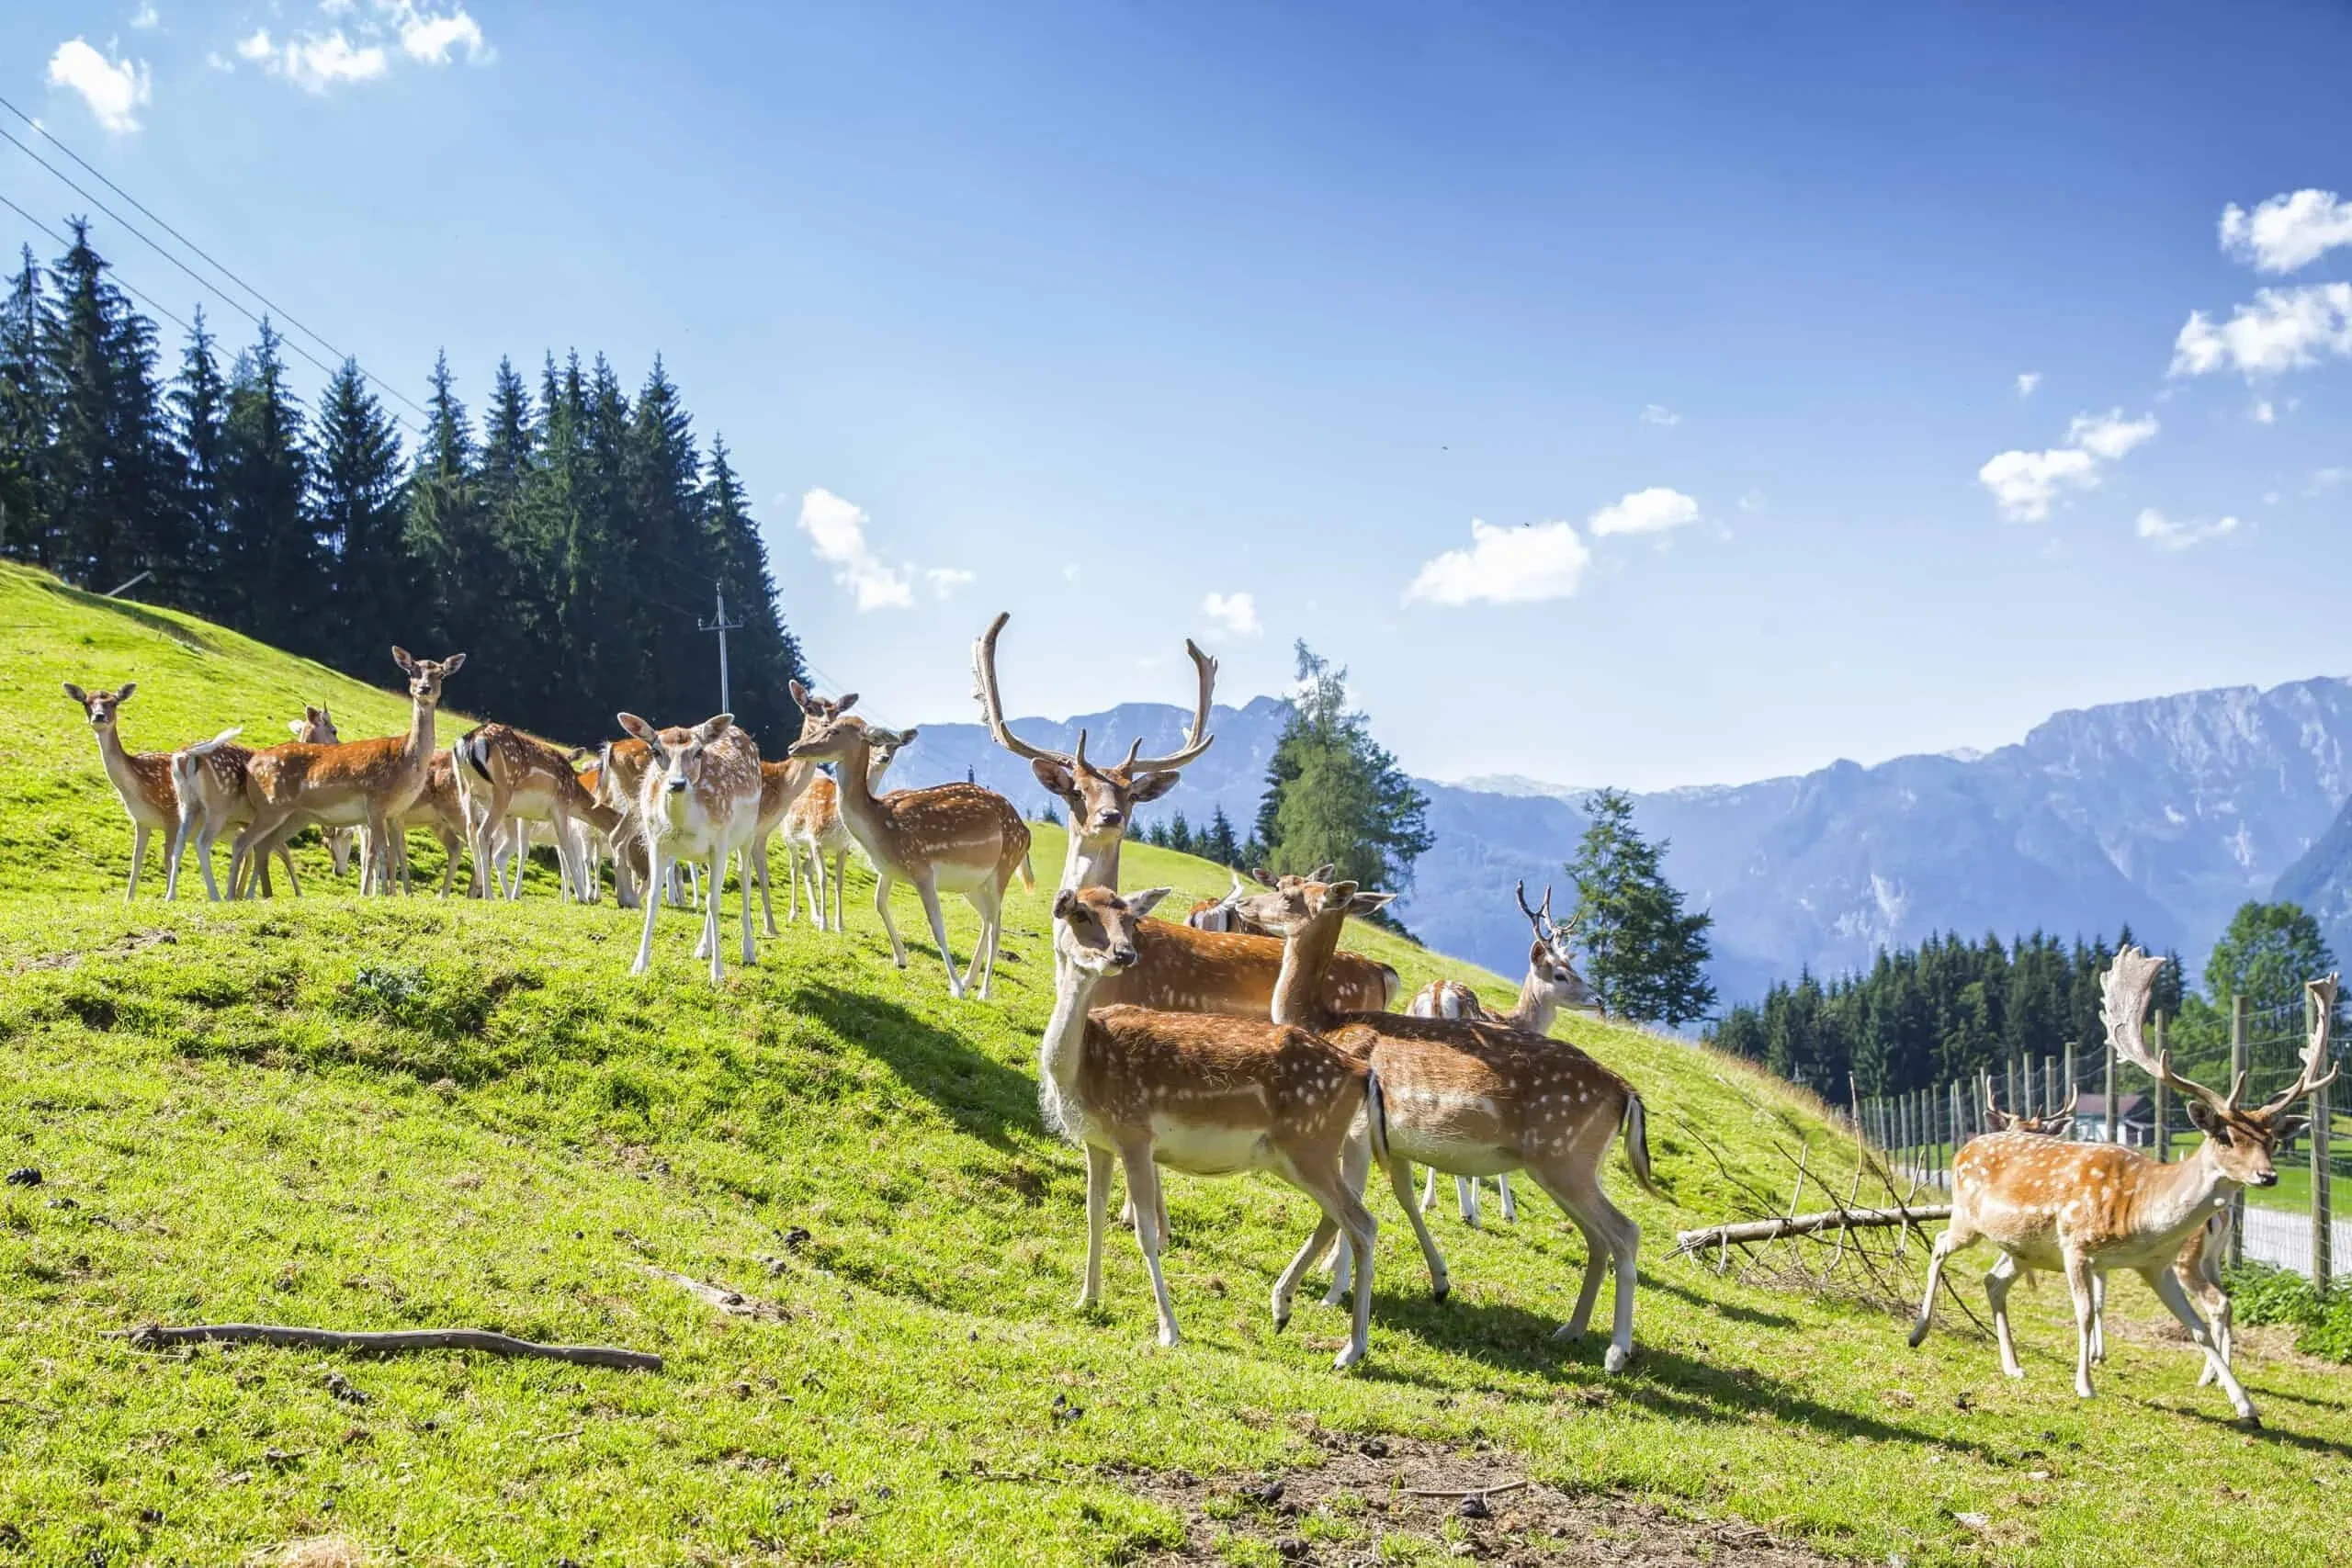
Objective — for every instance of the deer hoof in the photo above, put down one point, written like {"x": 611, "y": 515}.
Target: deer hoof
{"x": 1616, "y": 1358}
{"x": 1441, "y": 1292}
{"x": 1918, "y": 1334}
{"x": 1346, "y": 1359}
{"x": 1281, "y": 1321}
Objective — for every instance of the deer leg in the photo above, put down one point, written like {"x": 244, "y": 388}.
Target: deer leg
{"x": 882, "y": 908}
{"x": 2167, "y": 1284}
{"x": 204, "y": 837}
{"x": 380, "y": 840}
{"x": 1955, "y": 1237}
{"x": 653, "y": 908}
{"x": 767, "y": 901}
{"x": 249, "y": 846}
{"x": 1400, "y": 1182}
{"x": 1511, "y": 1208}
{"x": 1326, "y": 1230}
{"x": 140, "y": 834}
{"x": 2098, "y": 1317}
{"x": 1429, "y": 1188}
{"x": 2213, "y": 1304}
{"x": 2080, "y": 1279}
{"x": 1465, "y": 1193}
{"x": 710, "y": 912}
{"x": 1098, "y": 1199}
{"x": 1998, "y": 1280}
{"x": 749, "y": 957}
{"x": 840, "y": 894}
{"x": 928, "y": 891}
{"x": 1580, "y": 1198}
{"x": 448, "y": 859}
{"x": 1143, "y": 1182}
{"x": 1343, "y": 1213}
{"x": 984, "y": 901}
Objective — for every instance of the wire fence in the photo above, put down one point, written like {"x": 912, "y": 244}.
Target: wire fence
{"x": 2086, "y": 1095}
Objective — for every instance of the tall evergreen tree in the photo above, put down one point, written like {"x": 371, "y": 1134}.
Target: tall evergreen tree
{"x": 2267, "y": 954}
{"x": 1335, "y": 794}
{"x": 355, "y": 480}
{"x": 1645, "y": 958}
{"x": 24, "y": 416}
{"x": 109, "y": 484}
{"x": 274, "y": 578}
{"x": 446, "y": 529}
{"x": 763, "y": 649}
{"x": 199, "y": 405}
{"x": 1217, "y": 844}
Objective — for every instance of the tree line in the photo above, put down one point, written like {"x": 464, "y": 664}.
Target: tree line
{"x": 567, "y": 541}
{"x": 1952, "y": 1007}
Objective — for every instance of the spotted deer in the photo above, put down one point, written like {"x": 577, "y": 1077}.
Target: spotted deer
{"x": 441, "y": 809}
{"x": 1100, "y": 801}
{"x": 141, "y": 779}
{"x": 952, "y": 838}
{"x": 1221, "y": 914}
{"x": 209, "y": 778}
{"x": 1473, "y": 1099}
{"x": 1552, "y": 983}
{"x": 316, "y": 728}
{"x": 698, "y": 801}
{"x": 355, "y": 783}
{"x": 1208, "y": 1096}
{"x": 2198, "y": 1266}
{"x": 814, "y": 833}
{"x": 510, "y": 778}
{"x": 2088, "y": 1209}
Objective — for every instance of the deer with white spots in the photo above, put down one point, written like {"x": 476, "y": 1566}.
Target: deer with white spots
{"x": 1222, "y": 914}
{"x": 209, "y": 781}
{"x": 1207, "y": 1095}
{"x": 2089, "y": 1209}
{"x": 143, "y": 779}
{"x": 508, "y": 778}
{"x": 698, "y": 801}
{"x": 951, "y": 837}
{"x": 1552, "y": 983}
{"x": 316, "y": 728}
{"x": 1473, "y": 1099}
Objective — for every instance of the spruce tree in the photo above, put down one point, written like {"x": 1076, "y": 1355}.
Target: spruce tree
{"x": 276, "y": 584}
{"x": 199, "y": 412}
{"x": 1645, "y": 958}
{"x": 356, "y": 500}
{"x": 445, "y": 533}
{"x": 1335, "y": 794}
{"x": 109, "y": 484}
{"x": 24, "y": 416}
{"x": 766, "y": 657}
{"x": 1217, "y": 844}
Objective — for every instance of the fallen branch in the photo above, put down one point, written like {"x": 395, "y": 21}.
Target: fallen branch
{"x": 1464, "y": 1492}
{"x": 734, "y": 1303}
{"x": 1686, "y": 1242}
{"x": 151, "y": 1336}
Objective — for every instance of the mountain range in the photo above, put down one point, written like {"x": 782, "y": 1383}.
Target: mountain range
{"x": 2163, "y": 815}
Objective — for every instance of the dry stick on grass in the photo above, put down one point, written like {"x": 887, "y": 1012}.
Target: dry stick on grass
{"x": 734, "y": 1303}
{"x": 151, "y": 1336}
{"x": 1839, "y": 1219}
{"x": 1464, "y": 1490}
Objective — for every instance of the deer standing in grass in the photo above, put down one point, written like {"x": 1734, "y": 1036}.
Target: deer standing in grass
{"x": 951, "y": 837}
{"x": 698, "y": 801}
{"x": 521, "y": 780}
{"x": 1552, "y": 983}
{"x": 316, "y": 728}
{"x": 209, "y": 777}
{"x": 2089, "y": 1209}
{"x": 814, "y": 833}
{"x": 355, "y": 783}
{"x": 1209, "y": 1096}
{"x": 143, "y": 779}
{"x": 1473, "y": 1099}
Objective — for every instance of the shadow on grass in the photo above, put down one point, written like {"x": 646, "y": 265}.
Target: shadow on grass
{"x": 129, "y": 611}
{"x": 979, "y": 1095}
{"x": 1732, "y": 1310}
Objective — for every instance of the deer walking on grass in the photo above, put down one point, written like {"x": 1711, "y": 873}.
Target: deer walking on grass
{"x": 814, "y": 834}
{"x": 2089, "y": 1209}
{"x": 697, "y": 802}
{"x": 510, "y": 778}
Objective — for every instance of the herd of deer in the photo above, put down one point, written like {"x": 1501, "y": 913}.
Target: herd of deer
{"x": 1241, "y": 1040}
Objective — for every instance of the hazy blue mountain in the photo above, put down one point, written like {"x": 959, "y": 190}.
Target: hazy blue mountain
{"x": 2164, "y": 814}
{"x": 2321, "y": 882}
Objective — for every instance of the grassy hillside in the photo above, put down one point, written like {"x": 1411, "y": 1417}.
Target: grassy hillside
{"x": 391, "y": 1114}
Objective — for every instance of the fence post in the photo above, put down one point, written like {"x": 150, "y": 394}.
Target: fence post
{"x": 2162, "y": 1128}
{"x": 2073, "y": 1084}
{"x": 1954, "y": 1099}
{"x": 2011, "y": 1100}
{"x": 2106, "y": 1072}
{"x": 2237, "y": 1068}
{"x": 2323, "y": 1181}
{"x": 2051, "y": 1098}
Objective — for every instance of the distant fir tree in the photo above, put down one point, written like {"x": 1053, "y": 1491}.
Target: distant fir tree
{"x": 1335, "y": 794}
{"x": 446, "y": 530}
{"x": 24, "y": 415}
{"x": 198, "y": 423}
{"x": 1047, "y": 814}
{"x": 110, "y": 487}
{"x": 274, "y": 578}
{"x": 357, "y": 506}
{"x": 1217, "y": 843}
{"x": 1180, "y": 834}
{"x": 1644, "y": 957}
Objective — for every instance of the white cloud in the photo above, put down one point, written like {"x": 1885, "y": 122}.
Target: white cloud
{"x": 1070, "y": 572}
{"x": 836, "y": 530}
{"x": 314, "y": 62}
{"x": 1658, "y": 413}
{"x": 1236, "y": 614}
{"x": 2026, "y": 381}
{"x": 1753, "y": 500}
{"x": 2168, "y": 535}
{"x": 945, "y": 580}
{"x": 1506, "y": 566}
{"x": 2109, "y": 435}
{"x": 2283, "y": 329}
{"x": 1653, "y": 511}
{"x": 116, "y": 90}
{"x": 317, "y": 62}
{"x": 431, "y": 37}
{"x": 145, "y": 16}
{"x": 2262, "y": 412}
{"x": 2287, "y": 232}
{"x": 2328, "y": 479}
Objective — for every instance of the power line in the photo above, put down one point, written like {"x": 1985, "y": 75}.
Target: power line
{"x": 126, "y": 288}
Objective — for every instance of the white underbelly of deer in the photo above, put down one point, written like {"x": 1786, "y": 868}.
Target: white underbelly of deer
{"x": 1455, "y": 1156}
{"x": 1206, "y": 1151}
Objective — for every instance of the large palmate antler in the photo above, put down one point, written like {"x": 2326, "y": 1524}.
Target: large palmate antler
{"x": 1196, "y": 739}
{"x": 2123, "y": 997}
{"x": 2318, "y": 1002}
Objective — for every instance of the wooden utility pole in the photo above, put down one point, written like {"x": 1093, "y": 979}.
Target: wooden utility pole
{"x": 2237, "y": 1069}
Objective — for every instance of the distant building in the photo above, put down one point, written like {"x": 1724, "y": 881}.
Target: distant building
{"x": 2134, "y": 1119}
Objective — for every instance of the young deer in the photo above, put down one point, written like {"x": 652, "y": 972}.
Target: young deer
{"x": 953, "y": 837}
{"x": 1552, "y": 983}
{"x": 1204, "y": 1094}
{"x": 440, "y": 808}
{"x": 209, "y": 778}
{"x": 1222, "y": 914}
{"x": 351, "y": 784}
{"x": 2088, "y": 1209}
{"x": 316, "y": 728}
{"x": 523, "y": 779}
{"x": 697, "y": 802}
{"x": 814, "y": 832}
{"x": 1474, "y": 1100}
{"x": 1100, "y": 801}
{"x": 143, "y": 779}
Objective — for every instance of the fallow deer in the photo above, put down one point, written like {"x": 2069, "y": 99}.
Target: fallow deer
{"x": 814, "y": 833}
{"x": 698, "y": 801}
{"x": 1221, "y": 914}
{"x": 141, "y": 779}
{"x": 952, "y": 838}
{"x": 2088, "y": 1209}
{"x": 441, "y": 809}
{"x": 1100, "y": 801}
{"x": 1208, "y": 1096}
{"x": 523, "y": 780}
{"x": 353, "y": 783}
{"x": 209, "y": 777}
{"x": 1474, "y": 1100}
{"x": 1552, "y": 983}
{"x": 316, "y": 728}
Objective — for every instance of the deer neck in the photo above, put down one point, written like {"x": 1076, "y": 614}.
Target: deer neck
{"x": 1536, "y": 1008}
{"x": 1091, "y": 863}
{"x": 117, "y": 759}
{"x": 418, "y": 753}
{"x": 2180, "y": 1196}
{"x": 1306, "y": 958}
{"x": 1061, "y": 1051}
{"x": 853, "y": 797}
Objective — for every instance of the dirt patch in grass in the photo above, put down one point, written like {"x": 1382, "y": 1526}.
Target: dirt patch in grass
{"x": 1398, "y": 1499}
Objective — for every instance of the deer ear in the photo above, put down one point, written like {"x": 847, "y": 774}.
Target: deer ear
{"x": 78, "y": 693}
{"x": 1339, "y": 895}
{"x": 1365, "y": 903}
{"x": 632, "y": 725}
{"x": 907, "y": 737}
{"x": 714, "y": 727}
{"x": 2202, "y": 1117}
{"x": 1054, "y": 776}
{"x": 849, "y": 701}
{"x": 799, "y": 694}
{"x": 124, "y": 695}
{"x": 1144, "y": 903}
{"x": 1261, "y": 875}
{"x": 2288, "y": 1128}
{"x": 1151, "y": 787}
{"x": 1064, "y": 902}
{"x": 401, "y": 658}
{"x": 452, "y": 664}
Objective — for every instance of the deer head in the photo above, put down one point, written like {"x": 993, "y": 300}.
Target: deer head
{"x": 426, "y": 675}
{"x": 1551, "y": 958}
{"x": 2050, "y": 1124}
{"x": 676, "y": 756}
{"x": 2242, "y": 1141}
{"x": 1102, "y": 800}
{"x": 1294, "y": 902}
{"x": 815, "y": 710}
{"x": 314, "y": 727}
{"x": 1095, "y": 928}
{"x": 100, "y": 705}
{"x": 834, "y": 738}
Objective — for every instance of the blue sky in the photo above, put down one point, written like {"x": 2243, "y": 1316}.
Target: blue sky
{"x": 1714, "y": 317}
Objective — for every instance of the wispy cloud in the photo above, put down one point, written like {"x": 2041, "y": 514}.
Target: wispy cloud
{"x": 1506, "y": 566}
{"x": 363, "y": 43}
{"x": 2026, "y": 381}
{"x": 2170, "y": 537}
{"x": 115, "y": 90}
{"x": 146, "y": 18}
{"x": 2280, "y": 330}
{"x": 2287, "y": 231}
{"x": 1658, "y": 413}
{"x": 945, "y": 580}
{"x": 1653, "y": 511}
{"x": 2264, "y": 412}
{"x": 2025, "y": 485}
{"x": 1235, "y": 613}
{"x": 836, "y": 530}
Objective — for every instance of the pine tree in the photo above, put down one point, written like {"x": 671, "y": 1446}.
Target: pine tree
{"x": 674, "y": 562}
{"x": 356, "y": 496}
{"x": 1335, "y": 794}
{"x": 198, "y": 404}
{"x": 24, "y": 416}
{"x": 275, "y": 582}
{"x": 766, "y": 657}
{"x": 1217, "y": 844}
{"x": 109, "y": 482}
{"x": 446, "y": 533}
{"x": 1646, "y": 959}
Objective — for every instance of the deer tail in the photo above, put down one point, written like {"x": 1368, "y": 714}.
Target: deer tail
{"x": 1375, "y": 1116}
{"x": 1028, "y": 875}
{"x": 1635, "y": 1127}
{"x": 477, "y": 755}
